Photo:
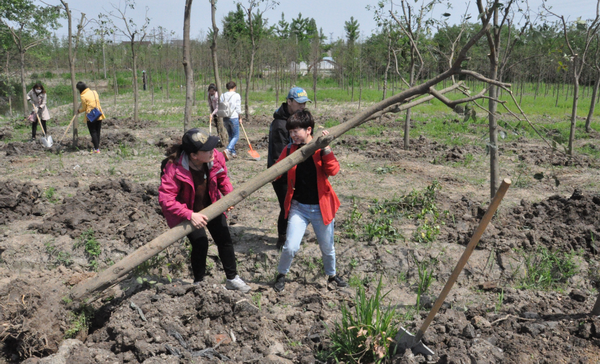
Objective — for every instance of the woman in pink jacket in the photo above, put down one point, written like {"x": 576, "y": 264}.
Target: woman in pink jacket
{"x": 194, "y": 175}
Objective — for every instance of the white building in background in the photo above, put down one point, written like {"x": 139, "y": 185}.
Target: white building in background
{"x": 326, "y": 67}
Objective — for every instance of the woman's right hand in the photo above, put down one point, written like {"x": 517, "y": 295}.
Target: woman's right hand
{"x": 199, "y": 220}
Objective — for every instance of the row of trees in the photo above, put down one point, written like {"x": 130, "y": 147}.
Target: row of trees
{"x": 409, "y": 47}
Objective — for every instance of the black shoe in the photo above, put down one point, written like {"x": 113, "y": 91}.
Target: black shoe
{"x": 281, "y": 242}
{"x": 279, "y": 283}
{"x": 338, "y": 281}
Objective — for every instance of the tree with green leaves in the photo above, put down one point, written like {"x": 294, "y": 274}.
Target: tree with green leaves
{"x": 29, "y": 25}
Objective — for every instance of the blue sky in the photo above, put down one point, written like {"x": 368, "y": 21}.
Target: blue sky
{"x": 330, "y": 15}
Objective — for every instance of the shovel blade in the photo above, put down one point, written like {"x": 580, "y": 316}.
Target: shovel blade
{"x": 254, "y": 154}
{"x": 47, "y": 141}
{"x": 407, "y": 341}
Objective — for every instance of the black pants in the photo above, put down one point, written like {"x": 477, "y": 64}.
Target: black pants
{"x": 94, "y": 128}
{"x": 220, "y": 234}
{"x": 281, "y": 191}
{"x": 34, "y": 126}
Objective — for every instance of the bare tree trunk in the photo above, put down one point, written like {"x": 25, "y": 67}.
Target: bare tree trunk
{"x": 213, "y": 49}
{"x": 135, "y": 80}
{"x": 189, "y": 72}
{"x": 23, "y": 86}
{"x": 72, "y": 56}
{"x": 407, "y": 119}
{"x": 588, "y": 121}
{"x": 574, "y": 110}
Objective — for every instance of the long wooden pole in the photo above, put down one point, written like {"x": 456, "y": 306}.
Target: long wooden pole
{"x": 106, "y": 278}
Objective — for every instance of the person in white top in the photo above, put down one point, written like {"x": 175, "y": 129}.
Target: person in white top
{"x": 232, "y": 123}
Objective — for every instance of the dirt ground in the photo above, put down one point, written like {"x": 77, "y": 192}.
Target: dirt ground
{"x": 50, "y": 199}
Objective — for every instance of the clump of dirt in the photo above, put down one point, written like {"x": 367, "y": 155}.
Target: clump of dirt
{"x": 128, "y": 123}
{"x": 32, "y": 316}
{"x": 499, "y": 334}
{"x": 547, "y": 156}
{"x": 23, "y": 148}
{"x": 113, "y": 209}
{"x": 18, "y": 201}
{"x": 557, "y": 222}
{"x": 6, "y": 132}
{"x": 420, "y": 147}
{"x": 205, "y": 322}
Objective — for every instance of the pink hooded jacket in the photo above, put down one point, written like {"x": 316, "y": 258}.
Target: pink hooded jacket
{"x": 176, "y": 192}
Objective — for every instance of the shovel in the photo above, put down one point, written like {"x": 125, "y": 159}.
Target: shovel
{"x": 404, "y": 339}
{"x": 47, "y": 139}
{"x": 254, "y": 154}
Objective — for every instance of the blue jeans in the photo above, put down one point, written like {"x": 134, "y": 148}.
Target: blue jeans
{"x": 298, "y": 219}
{"x": 233, "y": 130}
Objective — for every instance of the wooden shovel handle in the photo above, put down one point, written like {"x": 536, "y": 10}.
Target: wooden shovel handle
{"x": 465, "y": 257}
{"x": 65, "y": 133}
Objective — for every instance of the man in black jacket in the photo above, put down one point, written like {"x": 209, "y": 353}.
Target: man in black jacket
{"x": 279, "y": 138}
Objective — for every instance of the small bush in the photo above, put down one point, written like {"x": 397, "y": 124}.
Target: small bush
{"x": 79, "y": 320}
{"x": 364, "y": 334}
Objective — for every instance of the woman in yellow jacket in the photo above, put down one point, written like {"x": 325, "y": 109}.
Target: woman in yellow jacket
{"x": 89, "y": 101}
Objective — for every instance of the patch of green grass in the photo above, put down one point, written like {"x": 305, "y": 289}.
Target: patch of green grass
{"x": 547, "y": 270}
{"x": 50, "y": 195}
{"x": 365, "y": 332}
{"x": 79, "y": 320}
{"x": 91, "y": 246}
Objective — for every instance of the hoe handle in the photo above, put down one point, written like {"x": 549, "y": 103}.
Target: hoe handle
{"x": 465, "y": 257}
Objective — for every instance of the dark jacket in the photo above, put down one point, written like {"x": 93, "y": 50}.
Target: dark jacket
{"x": 279, "y": 137}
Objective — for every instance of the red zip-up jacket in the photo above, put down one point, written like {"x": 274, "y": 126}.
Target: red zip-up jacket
{"x": 176, "y": 193}
{"x": 326, "y": 165}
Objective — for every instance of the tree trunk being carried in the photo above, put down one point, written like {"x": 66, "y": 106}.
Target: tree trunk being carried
{"x": 110, "y": 276}
{"x": 407, "y": 98}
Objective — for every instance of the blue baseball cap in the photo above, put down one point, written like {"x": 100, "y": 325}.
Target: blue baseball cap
{"x": 298, "y": 94}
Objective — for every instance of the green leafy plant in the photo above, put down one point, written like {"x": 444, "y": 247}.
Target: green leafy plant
{"x": 91, "y": 246}
{"x": 50, "y": 195}
{"x": 425, "y": 279}
{"x": 498, "y": 305}
{"x": 257, "y": 298}
{"x": 79, "y": 320}
{"x": 365, "y": 332}
{"x": 351, "y": 226}
{"x": 547, "y": 269}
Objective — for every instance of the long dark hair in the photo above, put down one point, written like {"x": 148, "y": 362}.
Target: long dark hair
{"x": 39, "y": 85}
{"x": 172, "y": 154}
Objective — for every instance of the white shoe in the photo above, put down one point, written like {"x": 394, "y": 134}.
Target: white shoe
{"x": 237, "y": 284}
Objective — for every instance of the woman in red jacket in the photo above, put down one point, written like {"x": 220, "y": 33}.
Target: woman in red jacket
{"x": 194, "y": 175}
{"x": 310, "y": 199}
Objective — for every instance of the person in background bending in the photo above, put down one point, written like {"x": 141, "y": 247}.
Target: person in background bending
{"x": 39, "y": 99}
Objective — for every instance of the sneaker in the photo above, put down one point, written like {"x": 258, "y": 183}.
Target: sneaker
{"x": 234, "y": 155}
{"x": 338, "y": 281}
{"x": 97, "y": 151}
{"x": 226, "y": 154}
{"x": 237, "y": 284}
{"x": 197, "y": 283}
{"x": 279, "y": 283}
{"x": 281, "y": 242}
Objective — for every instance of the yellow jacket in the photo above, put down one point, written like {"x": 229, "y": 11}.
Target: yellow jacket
{"x": 90, "y": 100}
